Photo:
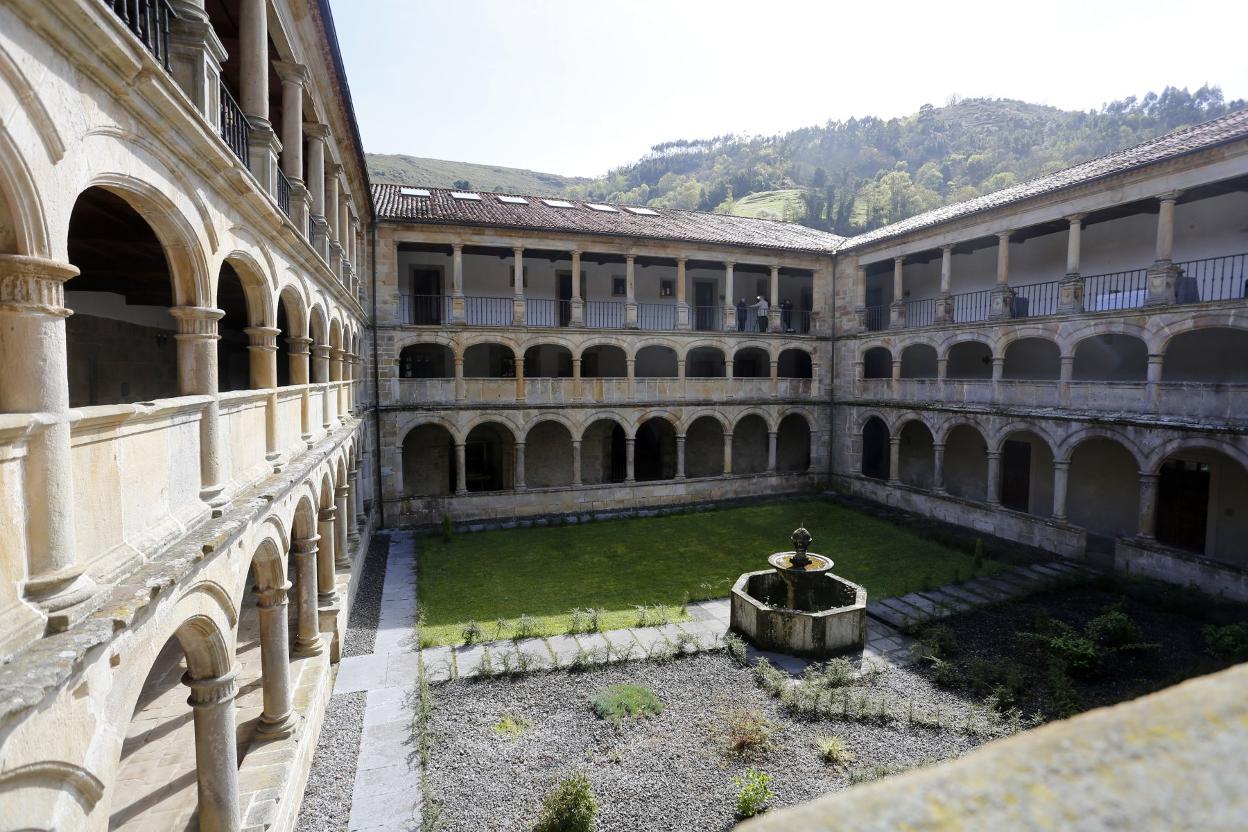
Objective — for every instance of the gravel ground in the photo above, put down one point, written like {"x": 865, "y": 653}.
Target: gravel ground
{"x": 670, "y": 772}
{"x": 362, "y": 622}
{"x": 327, "y": 796}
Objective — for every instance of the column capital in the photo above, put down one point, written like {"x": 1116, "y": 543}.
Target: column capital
{"x": 304, "y": 546}
{"x": 947, "y": 247}
{"x": 1169, "y": 196}
{"x": 262, "y": 337}
{"x": 197, "y": 321}
{"x": 517, "y": 250}
{"x": 1149, "y": 476}
{"x": 1061, "y": 464}
{"x": 682, "y": 260}
{"x": 1004, "y": 236}
{"x": 342, "y": 492}
{"x": 990, "y": 454}
{"x": 298, "y": 344}
{"x": 575, "y": 252}
{"x": 317, "y": 131}
{"x": 327, "y": 515}
{"x": 320, "y": 350}
{"x": 458, "y": 248}
{"x": 271, "y": 597}
{"x": 211, "y": 691}
{"x": 291, "y": 72}
{"x": 629, "y": 258}
{"x": 899, "y": 260}
{"x": 33, "y": 285}
{"x": 728, "y": 264}
{"x": 1075, "y": 219}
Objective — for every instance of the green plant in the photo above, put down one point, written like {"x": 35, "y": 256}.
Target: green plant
{"x": 1001, "y": 681}
{"x": 925, "y": 583}
{"x": 595, "y": 619}
{"x": 767, "y": 677}
{"x": 616, "y": 702}
{"x": 834, "y": 673}
{"x": 735, "y": 646}
{"x": 448, "y": 528}
{"x": 1113, "y": 628}
{"x": 747, "y": 733}
{"x": 486, "y": 666}
{"x": 755, "y": 791}
{"x": 938, "y": 642}
{"x": 578, "y": 621}
{"x": 1228, "y": 642}
{"x": 500, "y": 625}
{"x": 945, "y": 674}
{"x": 526, "y": 627}
{"x": 471, "y": 632}
{"x": 833, "y": 751}
{"x": 977, "y": 554}
{"x": 1058, "y": 642}
{"x": 512, "y": 725}
{"x": 569, "y": 807}
{"x": 1061, "y": 698}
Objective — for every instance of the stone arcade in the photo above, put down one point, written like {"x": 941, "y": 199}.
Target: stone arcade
{"x": 196, "y": 442}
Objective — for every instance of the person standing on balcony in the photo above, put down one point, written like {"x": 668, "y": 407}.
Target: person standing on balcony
{"x": 786, "y": 315}
{"x": 761, "y": 309}
{"x": 741, "y": 307}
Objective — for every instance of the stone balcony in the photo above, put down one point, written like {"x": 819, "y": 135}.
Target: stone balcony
{"x": 588, "y": 391}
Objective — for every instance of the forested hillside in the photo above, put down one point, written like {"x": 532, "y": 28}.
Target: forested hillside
{"x": 439, "y": 173}
{"x": 856, "y": 175}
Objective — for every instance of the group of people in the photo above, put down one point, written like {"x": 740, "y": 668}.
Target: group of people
{"x": 761, "y": 308}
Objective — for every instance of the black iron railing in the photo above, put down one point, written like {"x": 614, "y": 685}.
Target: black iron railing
{"x": 425, "y": 310}
{"x": 1214, "y": 278}
{"x": 604, "y": 314}
{"x": 921, "y": 312}
{"x": 547, "y": 312}
{"x": 283, "y": 193}
{"x": 707, "y": 318}
{"x": 149, "y": 20}
{"x": 656, "y": 315}
{"x": 488, "y": 311}
{"x": 234, "y": 126}
{"x": 792, "y": 320}
{"x": 801, "y": 321}
{"x": 1115, "y": 290}
{"x": 1034, "y": 299}
{"x": 972, "y": 306}
{"x": 876, "y": 318}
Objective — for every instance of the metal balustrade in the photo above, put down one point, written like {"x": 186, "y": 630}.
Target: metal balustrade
{"x": 480, "y": 311}
{"x": 424, "y": 310}
{"x": 1213, "y": 278}
{"x": 1115, "y": 290}
{"x": 234, "y": 126}
{"x": 149, "y": 20}
{"x": 1033, "y": 299}
{"x": 875, "y": 318}
{"x": 547, "y": 312}
{"x": 921, "y": 312}
{"x": 283, "y": 193}
{"x": 604, "y": 314}
{"x": 707, "y": 318}
{"x": 972, "y": 306}
{"x": 656, "y": 315}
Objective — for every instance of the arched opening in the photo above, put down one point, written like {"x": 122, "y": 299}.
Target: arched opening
{"x": 426, "y": 361}
{"x": 751, "y": 362}
{"x": 654, "y": 452}
{"x": 489, "y": 361}
{"x": 704, "y": 362}
{"x": 966, "y": 463}
{"x": 793, "y": 443}
{"x": 233, "y": 357}
{"x": 1027, "y": 474}
{"x": 918, "y": 361}
{"x": 290, "y": 322}
{"x": 916, "y": 455}
{"x": 875, "y": 449}
{"x": 704, "y": 448}
{"x": 1202, "y": 505}
{"x": 794, "y": 364}
{"x": 749, "y": 445}
{"x": 1103, "y": 488}
{"x": 428, "y": 462}
{"x": 319, "y": 333}
{"x": 1110, "y": 358}
{"x": 603, "y": 361}
{"x": 489, "y": 458}
{"x": 120, "y": 340}
{"x": 548, "y": 455}
{"x": 548, "y": 361}
{"x": 1033, "y": 359}
{"x": 877, "y": 362}
{"x": 1199, "y": 355}
{"x": 604, "y": 453}
{"x": 969, "y": 360}
{"x": 656, "y": 362}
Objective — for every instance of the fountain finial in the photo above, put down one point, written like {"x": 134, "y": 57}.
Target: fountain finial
{"x": 801, "y": 542}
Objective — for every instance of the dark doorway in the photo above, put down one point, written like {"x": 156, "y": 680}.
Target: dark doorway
{"x": 1016, "y": 475}
{"x": 565, "y": 298}
{"x": 875, "y": 448}
{"x": 704, "y": 304}
{"x": 1183, "y": 504}
{"x": 619, "y": 454}
{"x": 427, "y": 296}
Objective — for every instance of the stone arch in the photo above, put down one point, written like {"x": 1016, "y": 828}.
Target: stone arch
{"x": 655, "y": 446}
{"x": 704, "y": 360}
{"x": 1007, "y": 336}
{"x": 1186, "y": 355}
{"x": 751, "y": 361}
{"x": 603, "y": 439}
{"x": 795, "y": 362}
{"x": 690, "y": 417}
{"x": 919, "y": 360}
{"x": 490, "y": 453}
{"x": 548, "y": 452}
{"x": 751, "y": 441}
{"x": 1027, "y": 471}
{"x": 428, "y": 462}
{"x": 318, "y": 324}
{"x": 415, "y": 420}
{"x": 966, "y": 459}
{"x": 1162, "y": 452}
{"x": 27, "y": 101}
{"x": 621, "y": 344}
{"x": 551, "y": 416}
{"x": 19, "y": 196}
{"x": 426, "y": 359}
{"x": 1160, "y": 333}
{"x": 257, "y": 285}
{"x": 704, "y": 444}
{"x": 1110, "y": 356}
{"x": 1103, "y": 482}
{"x": 877, "y": 362}
{"x": 629, "y": 425}
{"x": 1033, "y": 358}
{"x": 794, "y": 434}
{"x": 656, "y": 360}
{"x": 969, "y": 358}
{"x": 875, "y": 436}
{"x": 769, "y": 420}
{"x": 1067, "y": 447}
{"x": 547, "y": 358}
{"x": 865, "y": 416}
{"x": 1070, "y": 335}
{"x": 996, "y": 437}
{"x": 916, "y": 458}
{"x": 507, "y": 420}
{"x": 493, "y": 358}
{"x": 647, "y": 415}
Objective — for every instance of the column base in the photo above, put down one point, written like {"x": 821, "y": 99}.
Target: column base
{"x": 312, "y": 647}
{"x": 1070, "y": 294}
{"x": 344, "y": 563}
{"x": 214, "y": 495}
{"x": 1163, "y": 284}
{"x": 278, "y": 729}
{"x": 897, "y": 315}
{"x": 62, "y": 597}
{"x": 944, "y": 309}
{"x": 327, "y": 599}
{"x": 1001, "y": 306}
{"x": 578, "y": 312}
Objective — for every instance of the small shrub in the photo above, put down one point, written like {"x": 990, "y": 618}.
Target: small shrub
{"x": 595, "y": 619}
{"x": 747, "y": 733}
{"x": 1228, "y": 642}
{"x": 448, "y": 528}
{"x": 1001, "y": 681}
{"x": 1077, "y": 654}
{"x": 1113, "y": 628}
{"x": 834, "y": 673}
{"x": 768, "y": 677}
{"x": 755, "y": 791}
{"x": 500, "y": 626}
{"x": 736, "y": 648}
{"x": 486, "y": 666}
{"x": 512, "y": 725}
{"x": 578, "y": 621}
{"x": 945, "y": 674}
{"x": 833, "y": 751}
{"x": 977, "y": 555}
{"x": 569, "y": 807}
{"x": 938, "y": 642}
{"x": 619, "y": 653}
{"x": 526, "y": 627}
{"x": 616, "y": 702}
{"x": 643, "y": 616}
{"x": 661, "y": 651}
{"x": 685, "y": 643}
{"x": 1061, "y": 698}
{"x": 471, "y": 632}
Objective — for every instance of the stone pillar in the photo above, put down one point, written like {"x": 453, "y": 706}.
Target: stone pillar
{"x": 730, "y": 310}
{"x": 576, "y": 462}
{"x": 332, "y": 174}
{"x": 773, "y": 312}
{"x": 216, "y": 751}
{"x": 308, "y": 635}
{"x": 318, "y": 225}
{"x": 894, "y": 460}
{"x": 998, "y": 369}
{"x": 517, "y": 280}
{"x": 519, "y": 468}
{"x": 342, "y": 497}
{"x": 630, "y": 291}
{"x": 682, "y": 308}
{"x": 278, "y": 719}
{"x": 344, "y": 224}
{"x": 521, "y": 392}
{"x": 1061, "y": 471}
{"x": 34, "y": 378}
{"x": 897, "y": 309}
{"x": 727, "y": 453}
{"x": 1148, "y": 505}
{"x": 896, "y": 370}
{"x": 775, "y": 376}
{"x": 1002, "y": 301}
{"x": 944, "y": 303}
{"x": 629, "y": 445}
{"x": 299, "y": 375}
{"x": 860, "y": 297}
{"x": 262, "y": 355}
{"x": 197, "y": 375}
{"x": 680, "y": 374}
{"x": 326, "y": 594}
{"x": 576, "y": 377}
{"x": 355, "y": 507}
{"x": 461, "y": 391}
{"x": 461, "y": 470}
{"x": 771, "y": 451}
{"x": 630, "y": 364}
{"x": 578, "y": 302}
{"x": 938, "y": 467}
{"x": 942, "y": 368}
{"x": 337, "y": 368}
{"x": 294, "y": 78}
{"x": 459, "y": 307}
{"x": 1163, "y": 275}
{"x": 994, "y": 478}
{"x": 195, "y": 58}
{"x": 1070, "y": 289}
{"x": 1067, "y": 372}
{"x": 253, "y": 57}
{"x": 1155, "y": 363}
{"x": 320, "y": 375}
{"x": 680, "y": 456}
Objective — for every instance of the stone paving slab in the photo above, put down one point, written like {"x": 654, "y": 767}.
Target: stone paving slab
{"x": 593, "y": 641}
{"x": 947, "y": 600}
{"x": 887, "y": 614}
{"x": 564, "y": 648}
{"x": 966, "y": 594}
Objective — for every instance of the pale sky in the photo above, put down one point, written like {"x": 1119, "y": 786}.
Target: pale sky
{"x": 579, "y": 86}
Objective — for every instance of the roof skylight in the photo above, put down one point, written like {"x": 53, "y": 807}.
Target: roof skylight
{"x": 558, "y": 203}
{"x": 466, "y": 195}
{"x": 513, "y": 200}
{"x": 644, "y": 212}
{"x": 599, "y": 207}
{"x": 413, "y": 192}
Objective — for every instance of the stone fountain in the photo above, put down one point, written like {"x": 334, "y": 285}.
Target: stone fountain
{"x": 799, "y": 606}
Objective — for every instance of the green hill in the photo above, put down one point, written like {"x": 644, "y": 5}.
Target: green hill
{"x": 412, "y": 170}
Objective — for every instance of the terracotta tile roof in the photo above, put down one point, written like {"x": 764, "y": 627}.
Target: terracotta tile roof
{"x": 1188, "y": 140}
{"x": 440, "y": 208}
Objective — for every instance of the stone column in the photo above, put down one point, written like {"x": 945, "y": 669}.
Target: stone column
{"x": 938, "y": 467}
{"x": 459, "y": 306}
{"x": 1002, "y": 301}
{"x": 355, "y": 508}
{"x": 262, "y": 353}
{"x": 680, "y": 375}
{"x": 461, "y": 470}
{"x": 998, "y": 370}
{"x": 576, "y": 378}
{"x": 1061, "y": 471}
{"x": 994, "y": 478}
{"x": 308, "y": 635}
{"x": 336, "y": 388}
{"x": 342, "y": 510}
{"x": 629, "y": 445}
{"x": 576, "y": 462}
{"x": 333, "y": 172}
{"x": 344, "y": 223}
{"x": 1070, "y": 289}
{"x": 894, "y": 460}
{"x": 578, "y": 302}
{"x": 294, "y": 78}
{"x": 1155, "y": 364}
{"x": 34, "y": 378}
{"x": 253, "y": 58}
{"x": 680, "y": 456}
{"x": 942, "y": 368}
{"x": 944, "y": 303}
{"x": 1148, "y": 505}
{"x": 197, "y": 375}
{"x": 727, "y": 453}
{"x": 773, "y": 312}
{"x": 519, "y": 465}
{"x": 897, "y": 309}
{"x": 299, "y": 375}
{"x": 682, "y": 308}
{"x": 320, "y": 375}
{"x": 630, "y": 365}
{"x": 195, "y": 58}
{"x": 1163, "y": 275}
{"x": 771, "y": 451}
{"x": 630, "y": 291}
{"x": 318, "y": 225}
{"x": 216, "y": 751}
{"x": 278, "y": 719}
{"x": 521, "y": 392}
{"x": 517, "y": 281}
{"x": 730, "y": 311}
{"x": 461, "y": 391}
{"x": 775, "y": 376}
{"x": 326, "y": 593}
{"x": 896, "y": 377}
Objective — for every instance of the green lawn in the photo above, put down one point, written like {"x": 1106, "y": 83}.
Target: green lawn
{"x": 658, "y": 561}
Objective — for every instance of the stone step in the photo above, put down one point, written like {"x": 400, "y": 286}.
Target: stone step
{"x": 947, "y": 599}
{"x": 969, "y": 596}
{"x": 992, "y": 591}
{"x": 887, "y": 614}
